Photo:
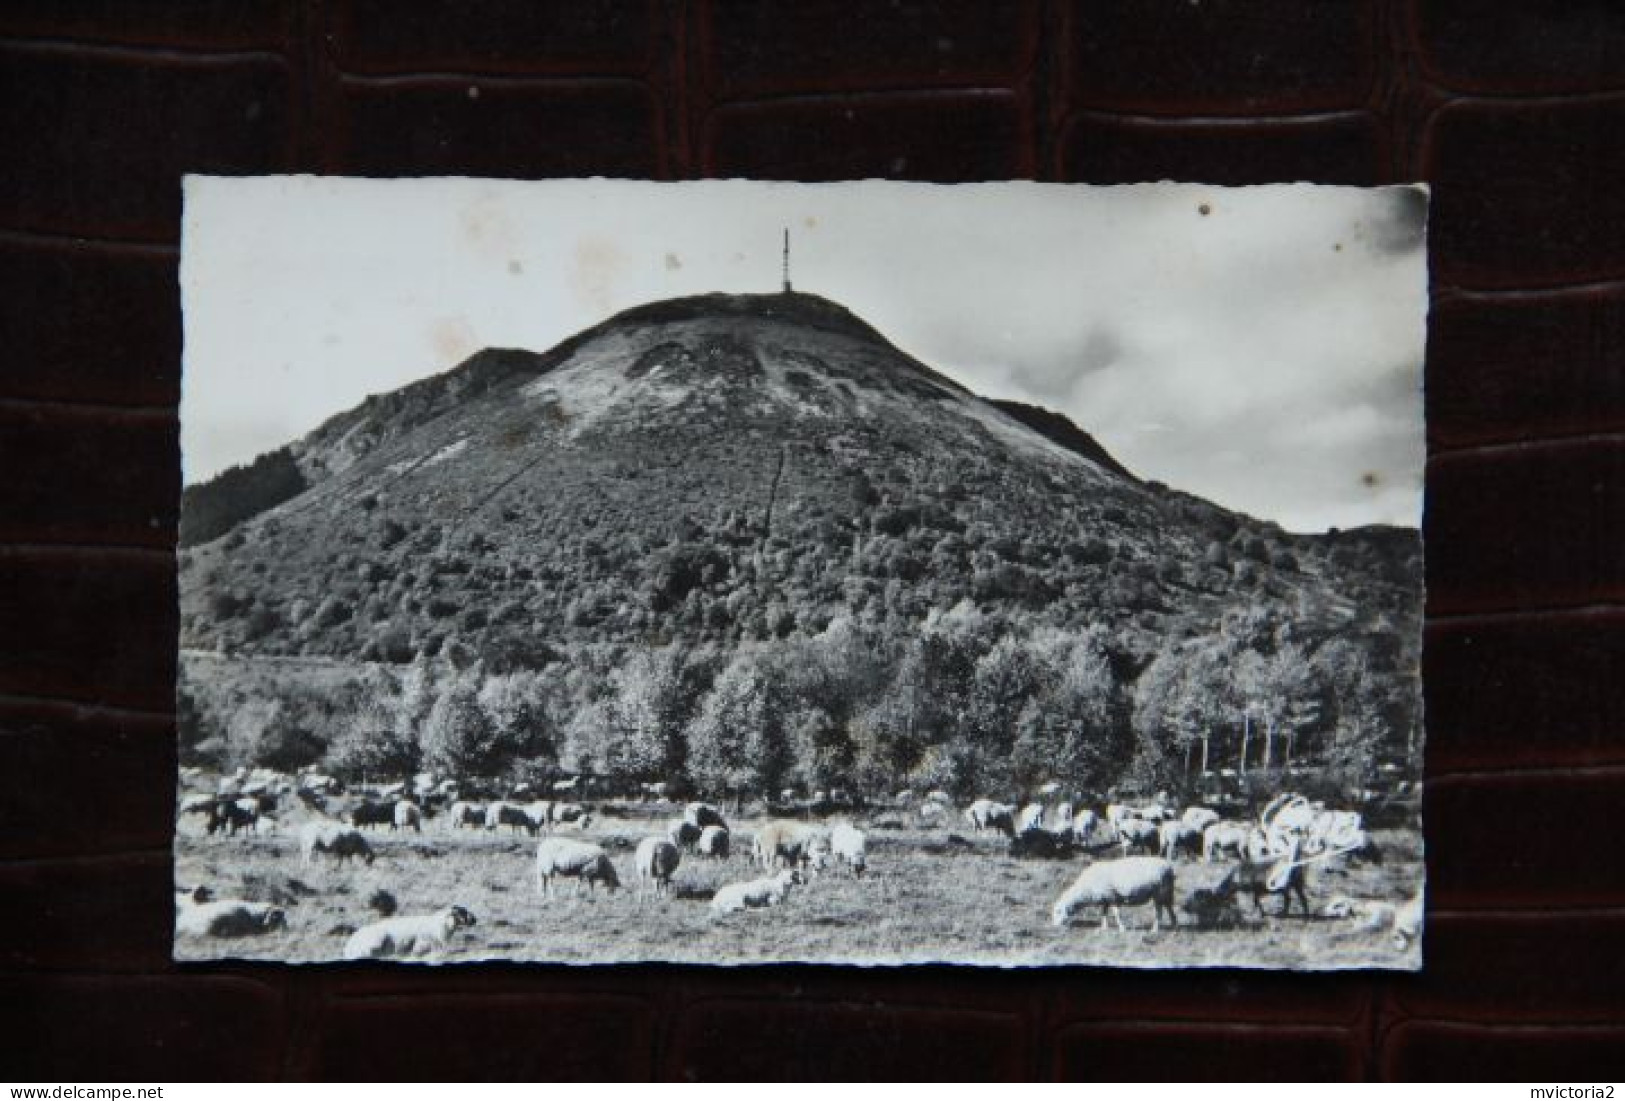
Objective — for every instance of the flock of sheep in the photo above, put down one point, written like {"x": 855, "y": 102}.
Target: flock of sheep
{"x": 1135, "y": 854}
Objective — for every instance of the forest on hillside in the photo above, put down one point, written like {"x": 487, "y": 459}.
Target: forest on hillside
{"x": 970, "y": 702}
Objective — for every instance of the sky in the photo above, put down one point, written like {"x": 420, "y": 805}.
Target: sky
{"x": 1260, "y": 347}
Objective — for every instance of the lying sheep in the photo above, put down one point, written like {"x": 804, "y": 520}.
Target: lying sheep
{"x": 795, "y": 844}
{"x": 1408, "y": 921}
{"x": 227, "y": 917}
{"x": 702, "y": 815}
{"x": 575, "y": 814}
{"x": 1128, "y": 881}
{"x": 333, "y": 838}
{"x": 849, "y": 845}
{"x": 713, "y": 842}
{"x": 1174, "y": 837}
{"x": 581, "y": 861}
{"x": 408, "y": 814}
{"x": 1036, "y": 841}
{"x": 755, "y": 894}
{"x": 656, "y": 859}
{"x": 406, "y": 937}
{"x": 466, "y": 814}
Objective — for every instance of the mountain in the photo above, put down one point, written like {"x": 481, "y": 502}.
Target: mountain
{"x": 738, "y": 471}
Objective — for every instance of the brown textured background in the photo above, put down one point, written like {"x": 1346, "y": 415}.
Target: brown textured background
{"x": 1513, "y": 110}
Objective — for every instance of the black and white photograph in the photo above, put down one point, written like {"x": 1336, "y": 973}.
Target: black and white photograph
{"x": 598, "y": 571}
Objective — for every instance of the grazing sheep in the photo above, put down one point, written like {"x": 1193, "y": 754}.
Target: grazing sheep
{"x": 200, "y": 805}
{"x": 796, "y": 844}
{"x": 581, "y": 861}
{"x": 685, "y": 834}
{"x": 407, "y": 814}
{"x": 985, "y": 814}
{"x": 1093, "y": 833}
{"x": 703, "y": 815}
{"x": 333, "y": 838}
{"x": 1225, "y": 839}
{"x": 1138, "y": 834}
{"x": 406, "y": 937}
{"x": 540, "y": 813}
{"x": 369, "y": 813}
{"x": 656, "y": 860}
{"x": 1199, "y": 818}
{"x": 463, "y": 814}
{"x": 230, "y": 815}
{"x": 1408, "y": 921}
{"x": 503, "y": 813}
{"x": 713, "y": 842}
{"x": 1110, "y": 884}
{"x": 755, "y": 894}
{"x": 1174, "y": 837}
{"x": 1031, "y": 815}
{"x": 227, "y": 917}
{"x": 849, "y": 845}
{"x": 1211, "y": 910}
{"x": 1283, "y": 876}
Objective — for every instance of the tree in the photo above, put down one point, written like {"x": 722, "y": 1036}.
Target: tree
{"x": 737, "y": 743}
{"x": 457, "y": 738}
{"x": 372, "y": 746}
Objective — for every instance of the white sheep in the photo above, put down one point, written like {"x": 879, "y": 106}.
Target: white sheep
{"x": 755, "y": 894}
{"x": 1031, "y": 815}
{"x": 405, "y": 937}
{"x": 985, "y": 814}
{"x": 226, "y": 917}
{"x": 1174, "y": 836}
{"x": 1063, "y": 818}
{"x": 849, "y": 845}
{"x": 796, "y": 844}
{"x": 1110, "y": 884}
{"x": 467, "y": 814}
{"x": 581, "y": 861}
{"x": 656, "y": 860}
{"x": 333, "y": 838}
{"x": 1138, "y": 833}
{"x": 1221, "y": 838}
{"x": 1199, "y": 818}
{"x": 408, "y": 813}
{"x": 714, "y": 842}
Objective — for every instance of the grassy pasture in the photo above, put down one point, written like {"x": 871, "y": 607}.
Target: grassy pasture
{"x": 931, "y": 894}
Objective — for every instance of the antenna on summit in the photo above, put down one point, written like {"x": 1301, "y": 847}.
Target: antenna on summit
{"x": 787, "y": 260}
